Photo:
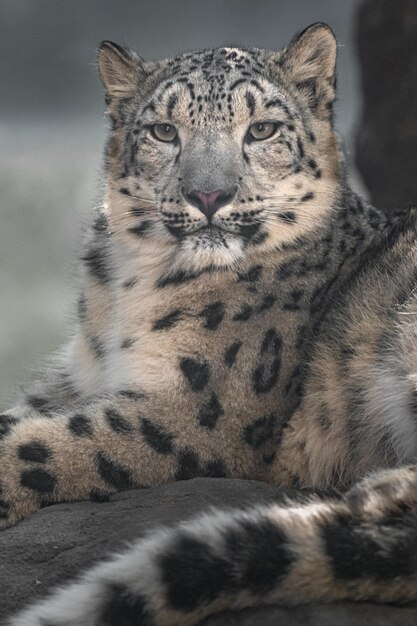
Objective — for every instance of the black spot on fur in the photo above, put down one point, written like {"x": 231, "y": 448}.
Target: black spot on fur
{"x": 288, "y": 217}
{"x": 261, "y": 555}
{"x": 80, "y": 425}
{"x": 112, "y": 473}
{"x": 131, "y": 394}
{"x": 97, "y": 346}
{"x": 260, "y": 431}
{"x": 82, "y": 308}
{"x": 258, "y": 239}
{"x": 382, "y": 551}
{"x": 178, "y": 278}
{"x": 244, "y": 314}
{"x": 40, "y": 404}
{"x": 255, "y": 83}
{"x": 247, "y": 231}
{"x": 38, "y": 480}
{"x": 308, "y": 196}
{"x": 130, "y": 283}
{"x": 237, "y": 82}
{"x": 300, "y": 147}
{"x": 99, "y": 496}
{"x": 252, "y": 275}
{"x": 35, "y": 451}
{"x": 172, "y": 101}
{"x": 265, "y": 375}
{"x": 293, "y": 267}
{"x": 267, "y": 302}
{"x": 127, "y": 343}
{"x": 150, "y": 106}
{"x": 230, "y": 353}
{"x": 123, "y": 609}
{"x": 250, "y": 101}
{"x": 156, "y": 437}
{"x": 169, "y": 321}
{"x": 278, "y": 102}
{"x": 192, "y": 574}
{"x": 101, "y": 224}
{"x": 97, "y": 264}
{"x": 141, "y": 229}
{"x": 177, "y": 230}
{"x": 210, "y": 412}
{"x": 196, "y": 372}
{"x": 215, "y": 469}
{"x": 293, "y": 303}
{"x": 6, "y": 421}
{"x": 188, "y": 465}
{"x": 117, "y": 422}
{"x": 213, "y": 315}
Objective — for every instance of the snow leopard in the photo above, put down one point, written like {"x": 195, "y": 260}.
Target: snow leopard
{"x": 242, "y": 313}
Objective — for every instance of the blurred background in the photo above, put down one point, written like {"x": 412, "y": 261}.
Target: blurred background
{"x": 52, "y": 128}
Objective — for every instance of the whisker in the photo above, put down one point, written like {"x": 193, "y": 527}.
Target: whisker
{"x": 279, "y": 217}
{"x": 142, "y": 199}
{"x": 126, "y": 228}
{"x": 124, "y": 218}
{"x": 293, "y": 195}
{"x": 131, "y": 212}
{"x": 271, "y": 210}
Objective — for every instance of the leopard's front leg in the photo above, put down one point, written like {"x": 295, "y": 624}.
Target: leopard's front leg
{"x": 114, "y": 443}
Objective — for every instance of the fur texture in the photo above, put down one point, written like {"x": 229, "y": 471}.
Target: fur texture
{"x": 242, "y": 314}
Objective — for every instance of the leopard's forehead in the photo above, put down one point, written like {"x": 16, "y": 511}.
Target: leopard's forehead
{"x": 219, "y": 62}
{"x": 208, "y": 80}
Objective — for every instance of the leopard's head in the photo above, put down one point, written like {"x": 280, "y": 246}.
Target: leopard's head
{"x": 222, "y": 153}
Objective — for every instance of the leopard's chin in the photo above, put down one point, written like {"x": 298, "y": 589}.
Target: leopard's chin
{"x": 210, "y": 248}
{"x": 211, "y": 237}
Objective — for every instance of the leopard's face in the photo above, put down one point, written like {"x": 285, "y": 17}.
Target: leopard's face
{"x": 226, "y": 153}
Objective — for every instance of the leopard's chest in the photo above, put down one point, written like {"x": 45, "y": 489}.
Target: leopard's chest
{"x": 238, "y": 336}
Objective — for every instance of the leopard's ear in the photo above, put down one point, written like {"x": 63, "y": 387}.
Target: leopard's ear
{"x": 310, "y": 62}
{"x": 120, "y": 69}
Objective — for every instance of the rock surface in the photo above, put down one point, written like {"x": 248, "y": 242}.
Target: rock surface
{"x": 59, "y": 541}
{"x": 386, "y": 143}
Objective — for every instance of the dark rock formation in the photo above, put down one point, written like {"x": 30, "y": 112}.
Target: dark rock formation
{"x": 56, "y": 543}
{"x": 386, "y": 145}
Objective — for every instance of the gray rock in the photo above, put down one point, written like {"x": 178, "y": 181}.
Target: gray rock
{"x": 59, "y": 541}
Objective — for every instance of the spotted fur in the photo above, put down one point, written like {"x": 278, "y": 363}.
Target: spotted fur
{"x": 242, "y": 314}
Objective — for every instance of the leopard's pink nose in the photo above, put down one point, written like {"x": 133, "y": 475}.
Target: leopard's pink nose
{"x": 208, "y": 202}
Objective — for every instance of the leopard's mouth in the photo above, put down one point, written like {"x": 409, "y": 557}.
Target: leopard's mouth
{"x": 217, "y": 233}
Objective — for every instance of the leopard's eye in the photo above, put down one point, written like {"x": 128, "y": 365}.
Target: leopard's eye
{"x": 261, "y": 130}
{"x": 164, "y": 132}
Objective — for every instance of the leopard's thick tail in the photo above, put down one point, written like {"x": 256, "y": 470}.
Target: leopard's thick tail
{"x": 360, "y": 547}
